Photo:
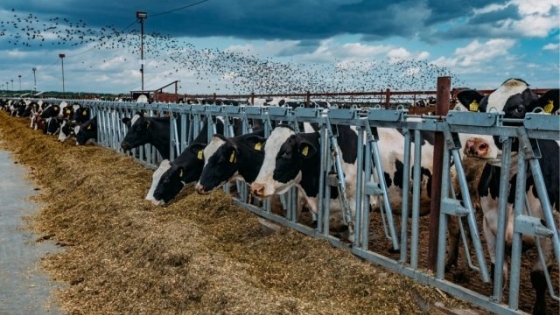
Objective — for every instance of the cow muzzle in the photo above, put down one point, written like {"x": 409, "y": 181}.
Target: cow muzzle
{"x": 126, "y": 146}
{"x": 258, "y": 189}
{"x": 200, "y": 189}
{"x": 476, "y": 147}
{"x": 156, "y": 202}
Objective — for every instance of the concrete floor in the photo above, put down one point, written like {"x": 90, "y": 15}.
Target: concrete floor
{"x": 24, "y": 288}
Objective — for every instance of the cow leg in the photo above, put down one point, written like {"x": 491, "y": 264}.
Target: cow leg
{"x": 454, "y": 237}
{"x": 538, "y": 277}
{"x": 538, "y": 281}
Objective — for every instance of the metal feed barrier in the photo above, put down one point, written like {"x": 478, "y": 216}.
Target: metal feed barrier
{"x": 371, "y": 183}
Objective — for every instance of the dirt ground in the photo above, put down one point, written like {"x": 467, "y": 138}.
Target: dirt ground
{"x": 199, "y": 255}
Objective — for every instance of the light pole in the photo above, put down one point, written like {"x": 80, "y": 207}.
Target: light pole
{"x": 12, "y": 84}
{"x": 19, "y": 76}
{"x": 34, "y": 79}
{"x": 141, "y": 16}
{"x": 62, "y": 63}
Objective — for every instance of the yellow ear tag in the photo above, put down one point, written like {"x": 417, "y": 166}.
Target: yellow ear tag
{"x": 68, "y": 111}
{"x": 258, "y": 146}
{"x": 181, "y": 173}
{"x": 88, "y": 127}
{"x": 55, "y": 108}
{"x": 473, "y": 107}
{"x": 305, "y": 151}
{"x": 200, "y": 155}
{"x": 84, "y": 112}
{"x": 549, "y": 107}
{"x": 232, "y": 157}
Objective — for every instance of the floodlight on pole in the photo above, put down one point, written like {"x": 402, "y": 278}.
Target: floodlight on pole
{"x": 34, "y": 79}
{"x": 141, "y": 16}
{"x": 12, "y": 84}
{"x": 19, "y": 76}
{"x": 62, "y": 60}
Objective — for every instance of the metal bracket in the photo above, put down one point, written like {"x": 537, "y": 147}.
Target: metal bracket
{"x": 342, "y": 113}
{"x": 472, "y": 119}
{"x": 307, "y": 112}
{"x": 372, "y": 189}
{"x": 385, "y": 115}
{"x": 453, "y": 207}
{"x": 531, "y": 226}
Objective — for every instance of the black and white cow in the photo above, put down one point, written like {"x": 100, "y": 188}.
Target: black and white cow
{"x": 285, "y": 154}
{"x": 86, "y": 132}
{"x": 292, "y": 159}
{"x": 143, "y": 130}
{"x": 514, "y": 98}
{"x": 226, "y": 158}
{"x": 68, "y": 123}
{"x": 54, "y": 110}
{"x": 170, "y": 177}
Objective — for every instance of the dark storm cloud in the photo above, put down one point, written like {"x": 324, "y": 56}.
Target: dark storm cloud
{"x": 263, "y": 19}
{"x": 509, "y": 12}
{"x": 445, "y": 10}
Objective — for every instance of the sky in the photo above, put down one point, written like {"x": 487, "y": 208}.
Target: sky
{"x": 270, "y": 46}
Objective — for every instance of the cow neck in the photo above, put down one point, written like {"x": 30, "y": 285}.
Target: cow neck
{"x": 246, "y": 162}
{"x": 311, "y": 168}
{"x": 160, "y": 136}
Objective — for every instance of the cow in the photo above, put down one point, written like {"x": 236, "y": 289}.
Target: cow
{"x": 52, "y": 126}
{"x": 170, "y": 177}
{"x": 86, "y": 132}
{"x": 514, "y": 98}
{"x": 54, "y": 110}
{"x": 226, "y": 158}
{"x": 292, "y": 159}
{"x": 152, "y": 130}
{"x": 69, "y": 122}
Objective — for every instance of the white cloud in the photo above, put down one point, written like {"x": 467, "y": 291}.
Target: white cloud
{"x": 552, "y": 46}
{"x": 475, "y": 55}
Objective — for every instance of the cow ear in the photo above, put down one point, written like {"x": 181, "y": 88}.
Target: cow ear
{"x": 126, "y": 121}
{"x": 549, "y": 102}
{"x": 470, "y": 99}
{"x": 255, "y": 142}
{"x": 232, "y": 155}
{"x": 306, "y": 149}
{"x": 198, "y": 150}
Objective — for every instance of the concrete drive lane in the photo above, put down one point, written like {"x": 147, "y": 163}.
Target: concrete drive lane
{"x": 24, "y": 288}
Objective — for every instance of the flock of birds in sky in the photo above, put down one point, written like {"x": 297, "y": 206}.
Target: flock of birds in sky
{"x": 218, "y": 70}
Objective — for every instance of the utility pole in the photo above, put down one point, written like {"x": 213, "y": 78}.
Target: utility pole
{"x": 62, "y": 60}
{"x": 34, "y": 79}
{"x": 141, "y": 16}
{"x": 19, "y": 76}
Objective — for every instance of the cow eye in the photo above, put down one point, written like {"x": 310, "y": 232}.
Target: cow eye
{"x": 286, "y": 156}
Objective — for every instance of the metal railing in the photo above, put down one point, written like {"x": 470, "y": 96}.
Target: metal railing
{"x": 405, "y": 239}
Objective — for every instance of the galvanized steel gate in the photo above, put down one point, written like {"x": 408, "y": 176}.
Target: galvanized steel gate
{"x": 367, "y": 121}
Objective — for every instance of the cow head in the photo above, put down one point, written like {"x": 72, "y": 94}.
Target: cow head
{"x": 172, "y": 180}
{"x": 86, "y": 132}
{"x": 137, "y": 134}
{"x": 81, "y": 115}
{"x": 66, "y": 130}
{"x": 52, "y": 126}
{"x": 515, "y": 100}
{"x": 284, "y": 154}
{"x": 222, "y": 159}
